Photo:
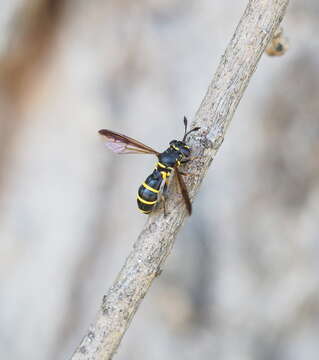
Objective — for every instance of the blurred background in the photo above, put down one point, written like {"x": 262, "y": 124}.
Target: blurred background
{"x": 242, "y": 280}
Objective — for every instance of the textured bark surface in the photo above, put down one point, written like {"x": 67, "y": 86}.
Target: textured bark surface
{"x": 255, "y": 30}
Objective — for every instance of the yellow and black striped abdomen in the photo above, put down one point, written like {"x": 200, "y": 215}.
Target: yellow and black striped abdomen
{"x": 147, "y": 195}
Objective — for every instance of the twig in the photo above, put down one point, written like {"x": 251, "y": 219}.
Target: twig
{"x": 237, "y": 65}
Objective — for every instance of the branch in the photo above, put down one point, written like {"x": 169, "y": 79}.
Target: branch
{"x": 237, "y": 65}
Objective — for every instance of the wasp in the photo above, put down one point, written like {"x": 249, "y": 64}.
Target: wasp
{"x": 169, "y": 160}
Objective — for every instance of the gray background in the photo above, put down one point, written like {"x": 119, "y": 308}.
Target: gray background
{"x": 242, "y": 280}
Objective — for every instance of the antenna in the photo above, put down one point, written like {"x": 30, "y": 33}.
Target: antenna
{"x": 186, "y": 133}
{"x": 185, "y": 125}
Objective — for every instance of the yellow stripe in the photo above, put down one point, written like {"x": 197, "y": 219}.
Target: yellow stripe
{"x": 187, "y": 147}
{"x": 175, "y": 147}
{"x": 150, "y": 188}
{"x": 178, "y": 163}
{"x": 161, "y": 165}
{"x": 145, "y": 212}
{"x": 146, "y": 202}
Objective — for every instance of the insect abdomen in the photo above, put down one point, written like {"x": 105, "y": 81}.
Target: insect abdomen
{"x": 147, "y": 195}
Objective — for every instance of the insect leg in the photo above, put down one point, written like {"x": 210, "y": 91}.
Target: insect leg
{"x": 185, "y": 173}
{"x": 184, "y": 161}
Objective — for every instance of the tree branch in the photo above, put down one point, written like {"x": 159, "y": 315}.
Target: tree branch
{"x": 254, "y": 31}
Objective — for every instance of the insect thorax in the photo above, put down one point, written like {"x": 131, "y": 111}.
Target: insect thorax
{"x": 174, "y": 155}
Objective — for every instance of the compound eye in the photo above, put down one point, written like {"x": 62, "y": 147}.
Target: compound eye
{"x": 187, "y": 152}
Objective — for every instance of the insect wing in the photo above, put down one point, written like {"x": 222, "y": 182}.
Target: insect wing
{"x": 122, "y": 144}
{"x": 184, "y": 191}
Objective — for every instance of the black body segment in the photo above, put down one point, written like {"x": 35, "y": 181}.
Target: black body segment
{"x": 170, "y": 159}
{"x": 147, "y": 195}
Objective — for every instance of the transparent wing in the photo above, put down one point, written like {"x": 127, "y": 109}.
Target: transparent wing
{"x": 122, "y": 144}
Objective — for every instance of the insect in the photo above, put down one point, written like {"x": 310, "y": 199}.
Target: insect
{"x": 278, "y": 45}
{"x": 155, "y": 185}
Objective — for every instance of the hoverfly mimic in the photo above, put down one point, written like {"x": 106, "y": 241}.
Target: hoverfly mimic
{"x": 156, "y": 183}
